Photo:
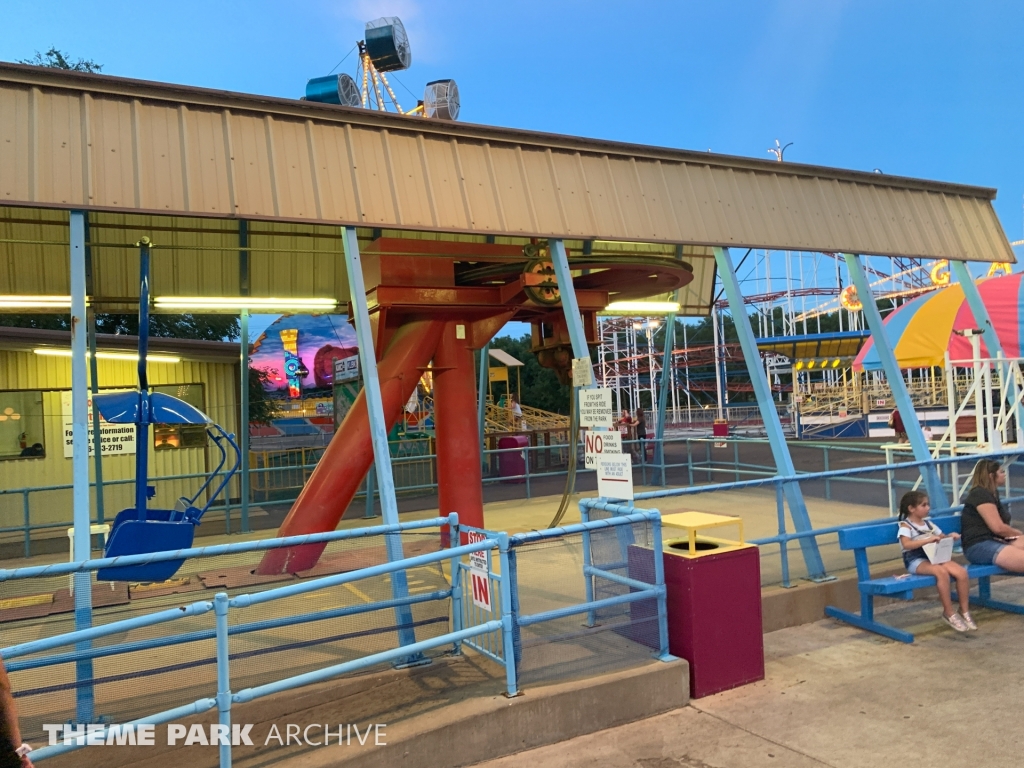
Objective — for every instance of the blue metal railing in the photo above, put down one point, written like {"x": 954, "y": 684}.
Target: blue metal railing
{"x": 778, "y": 482}
{"x": 494, "y": 633}
{"x": 222, "y": 604}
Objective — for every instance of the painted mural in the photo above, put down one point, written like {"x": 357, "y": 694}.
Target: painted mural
{"x": 299, "y": 351}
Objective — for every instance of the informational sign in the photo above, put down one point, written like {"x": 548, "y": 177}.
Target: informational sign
{"x": 346, "y": 369}
{"x": 325, "y": 408}
{"x": 582, "y": 372}
{"x": 497, "y": 373}
{"x": 115, "y": 439}
{"x": 477, "y": 560}
{"x": 480, "y": 581}
{"x": 596, "y": 407}
{"x": 615, "y": 476}
{"x": 597, "y": 443}
{"x": 880, "y": 403}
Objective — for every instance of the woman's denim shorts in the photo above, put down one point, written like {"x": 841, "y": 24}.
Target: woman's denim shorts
{"x": 984, "y": 552}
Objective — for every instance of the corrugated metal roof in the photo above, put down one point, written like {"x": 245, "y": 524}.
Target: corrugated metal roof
{"x": 504, "y": 357}
{"x": 111, "y": 144}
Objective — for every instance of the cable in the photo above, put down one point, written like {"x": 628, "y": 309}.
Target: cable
{"x": 570, "y": 478}
{"x": 343, "y": 60}
{"x": 404, "y": 86}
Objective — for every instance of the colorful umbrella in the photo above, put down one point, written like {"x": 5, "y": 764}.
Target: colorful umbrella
{"x": 923, "y": 329}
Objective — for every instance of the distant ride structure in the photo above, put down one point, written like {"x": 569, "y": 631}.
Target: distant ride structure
{"x": 384, "y": 48}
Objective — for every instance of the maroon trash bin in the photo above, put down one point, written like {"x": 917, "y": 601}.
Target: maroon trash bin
{"x": 511, "y": 462}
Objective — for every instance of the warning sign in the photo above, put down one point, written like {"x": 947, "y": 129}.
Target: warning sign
{"x": 597, "y": 443}
{"x": 477, "y": 560}
{"x": 615, "y": 476}
{"x": 596, "y": 407}
{"x": 582, "y": 372}
{"x": 115, "y": 439}
{"x": 481, "y": 584}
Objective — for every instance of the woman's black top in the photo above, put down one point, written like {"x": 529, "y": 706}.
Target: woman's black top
{"x": 973, "y": 528}
{"x": 641, "y": 429}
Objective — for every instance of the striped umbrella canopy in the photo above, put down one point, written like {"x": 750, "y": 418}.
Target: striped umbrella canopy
{"x": 923, "y": 329}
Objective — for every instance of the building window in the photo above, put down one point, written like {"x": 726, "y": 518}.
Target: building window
{"x": 21, "y": 425}
{"x": 169, "y": 436}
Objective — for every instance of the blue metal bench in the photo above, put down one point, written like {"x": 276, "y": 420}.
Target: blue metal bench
{"x": 860, "y": 538}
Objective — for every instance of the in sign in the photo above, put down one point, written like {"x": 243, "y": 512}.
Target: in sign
{"x": 481, "y": 584}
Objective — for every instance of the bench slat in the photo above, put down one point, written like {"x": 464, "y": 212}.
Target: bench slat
{"x": 880, "y": 534}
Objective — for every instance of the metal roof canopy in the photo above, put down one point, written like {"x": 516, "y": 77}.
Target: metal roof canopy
{"x": 816, "y": 345}
{"x": 140, "y": 156}
{"x": 504, "y": 358}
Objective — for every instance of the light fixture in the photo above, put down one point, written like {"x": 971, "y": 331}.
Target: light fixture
{"x": 132, "y": 357}
{"x": 836, "y": 362}
{"x": 238, "y": 303}
{"x": 643, "y": 307}
{"x": 810, "y": 364}
{"x": 28, "y": 301}
{"x": 799, "y": 365}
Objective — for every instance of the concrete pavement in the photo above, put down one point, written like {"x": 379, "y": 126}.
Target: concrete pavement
{"x": 839, "y": 697}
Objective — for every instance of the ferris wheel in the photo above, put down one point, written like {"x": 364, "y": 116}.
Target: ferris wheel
{"x": 384, "y": 48}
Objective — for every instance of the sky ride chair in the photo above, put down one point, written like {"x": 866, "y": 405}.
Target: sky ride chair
{"x": 140, "y": 530}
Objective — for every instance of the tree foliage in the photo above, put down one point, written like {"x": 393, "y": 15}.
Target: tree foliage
{"x": 261, "y": 407}
{"x": 57, "y": 59}
{"x": 204, "y": 327}
{"x": 540, "y": 386}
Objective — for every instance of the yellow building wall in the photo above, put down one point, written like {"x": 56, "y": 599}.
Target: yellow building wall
{"x": 51, "y": 375}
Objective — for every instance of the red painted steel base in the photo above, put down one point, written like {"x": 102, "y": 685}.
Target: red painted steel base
{"x": 459, "y": 477}
{"x": 714, "y": 618}
{"x": 348, "y": 456}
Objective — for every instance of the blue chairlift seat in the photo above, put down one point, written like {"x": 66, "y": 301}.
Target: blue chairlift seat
{"x": 136, "y": 531}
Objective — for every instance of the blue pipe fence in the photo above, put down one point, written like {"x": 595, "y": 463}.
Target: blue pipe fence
{"x": 698, "y": 461}
{"x": 900, "y": 475}
{"x": 258, "y": 644}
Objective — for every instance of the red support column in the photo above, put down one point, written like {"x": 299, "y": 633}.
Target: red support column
{"x": 459, "y": 479}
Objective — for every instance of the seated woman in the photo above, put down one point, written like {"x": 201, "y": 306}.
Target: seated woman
{"x": 986, "y": 533}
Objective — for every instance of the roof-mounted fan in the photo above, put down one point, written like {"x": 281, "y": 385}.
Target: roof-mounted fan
{"x": 334, "y": 89}
{"x": 387, "y": 44}
{"x": 441, "y": 99}
{"x": 385, "y": 49}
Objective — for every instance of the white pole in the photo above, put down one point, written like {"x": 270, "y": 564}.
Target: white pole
{"x": 718, "y": 364}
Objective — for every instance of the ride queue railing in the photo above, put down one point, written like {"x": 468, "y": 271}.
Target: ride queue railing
{"x": 222, "y": 604}
{"x": 784, "y": 537}
{"x": 652, "y": 471}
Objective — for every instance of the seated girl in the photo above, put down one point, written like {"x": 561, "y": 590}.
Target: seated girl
{"x": 914, "y": 532}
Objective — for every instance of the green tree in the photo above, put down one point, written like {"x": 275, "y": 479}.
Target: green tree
{"x": 204, "y": 327}
{"x": 261, "y": 407}
{"x": 540, "y": 386}
{"x": 57, "y": 59}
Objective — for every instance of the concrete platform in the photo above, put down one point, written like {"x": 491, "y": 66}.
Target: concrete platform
{"x": 839, "y": 697}
{"x": 449, "y": 713}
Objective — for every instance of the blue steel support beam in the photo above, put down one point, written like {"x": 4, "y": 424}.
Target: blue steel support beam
{"x": 481, "y": 397}
{"x": 769, "y": 414}
{"x": 895, "y": 379}
{"x": 981, "y": 316}
{"x": 378, "y": 428}
{"x": 243, "y": 421}
{"x": 571, "y": 308}
{"x": 80, "y": 462}
{"x": 666, "y": 383}
{"x": 988, "y": 330}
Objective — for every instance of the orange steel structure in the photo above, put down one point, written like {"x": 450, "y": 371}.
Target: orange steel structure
{"x": 438, "y": 301}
